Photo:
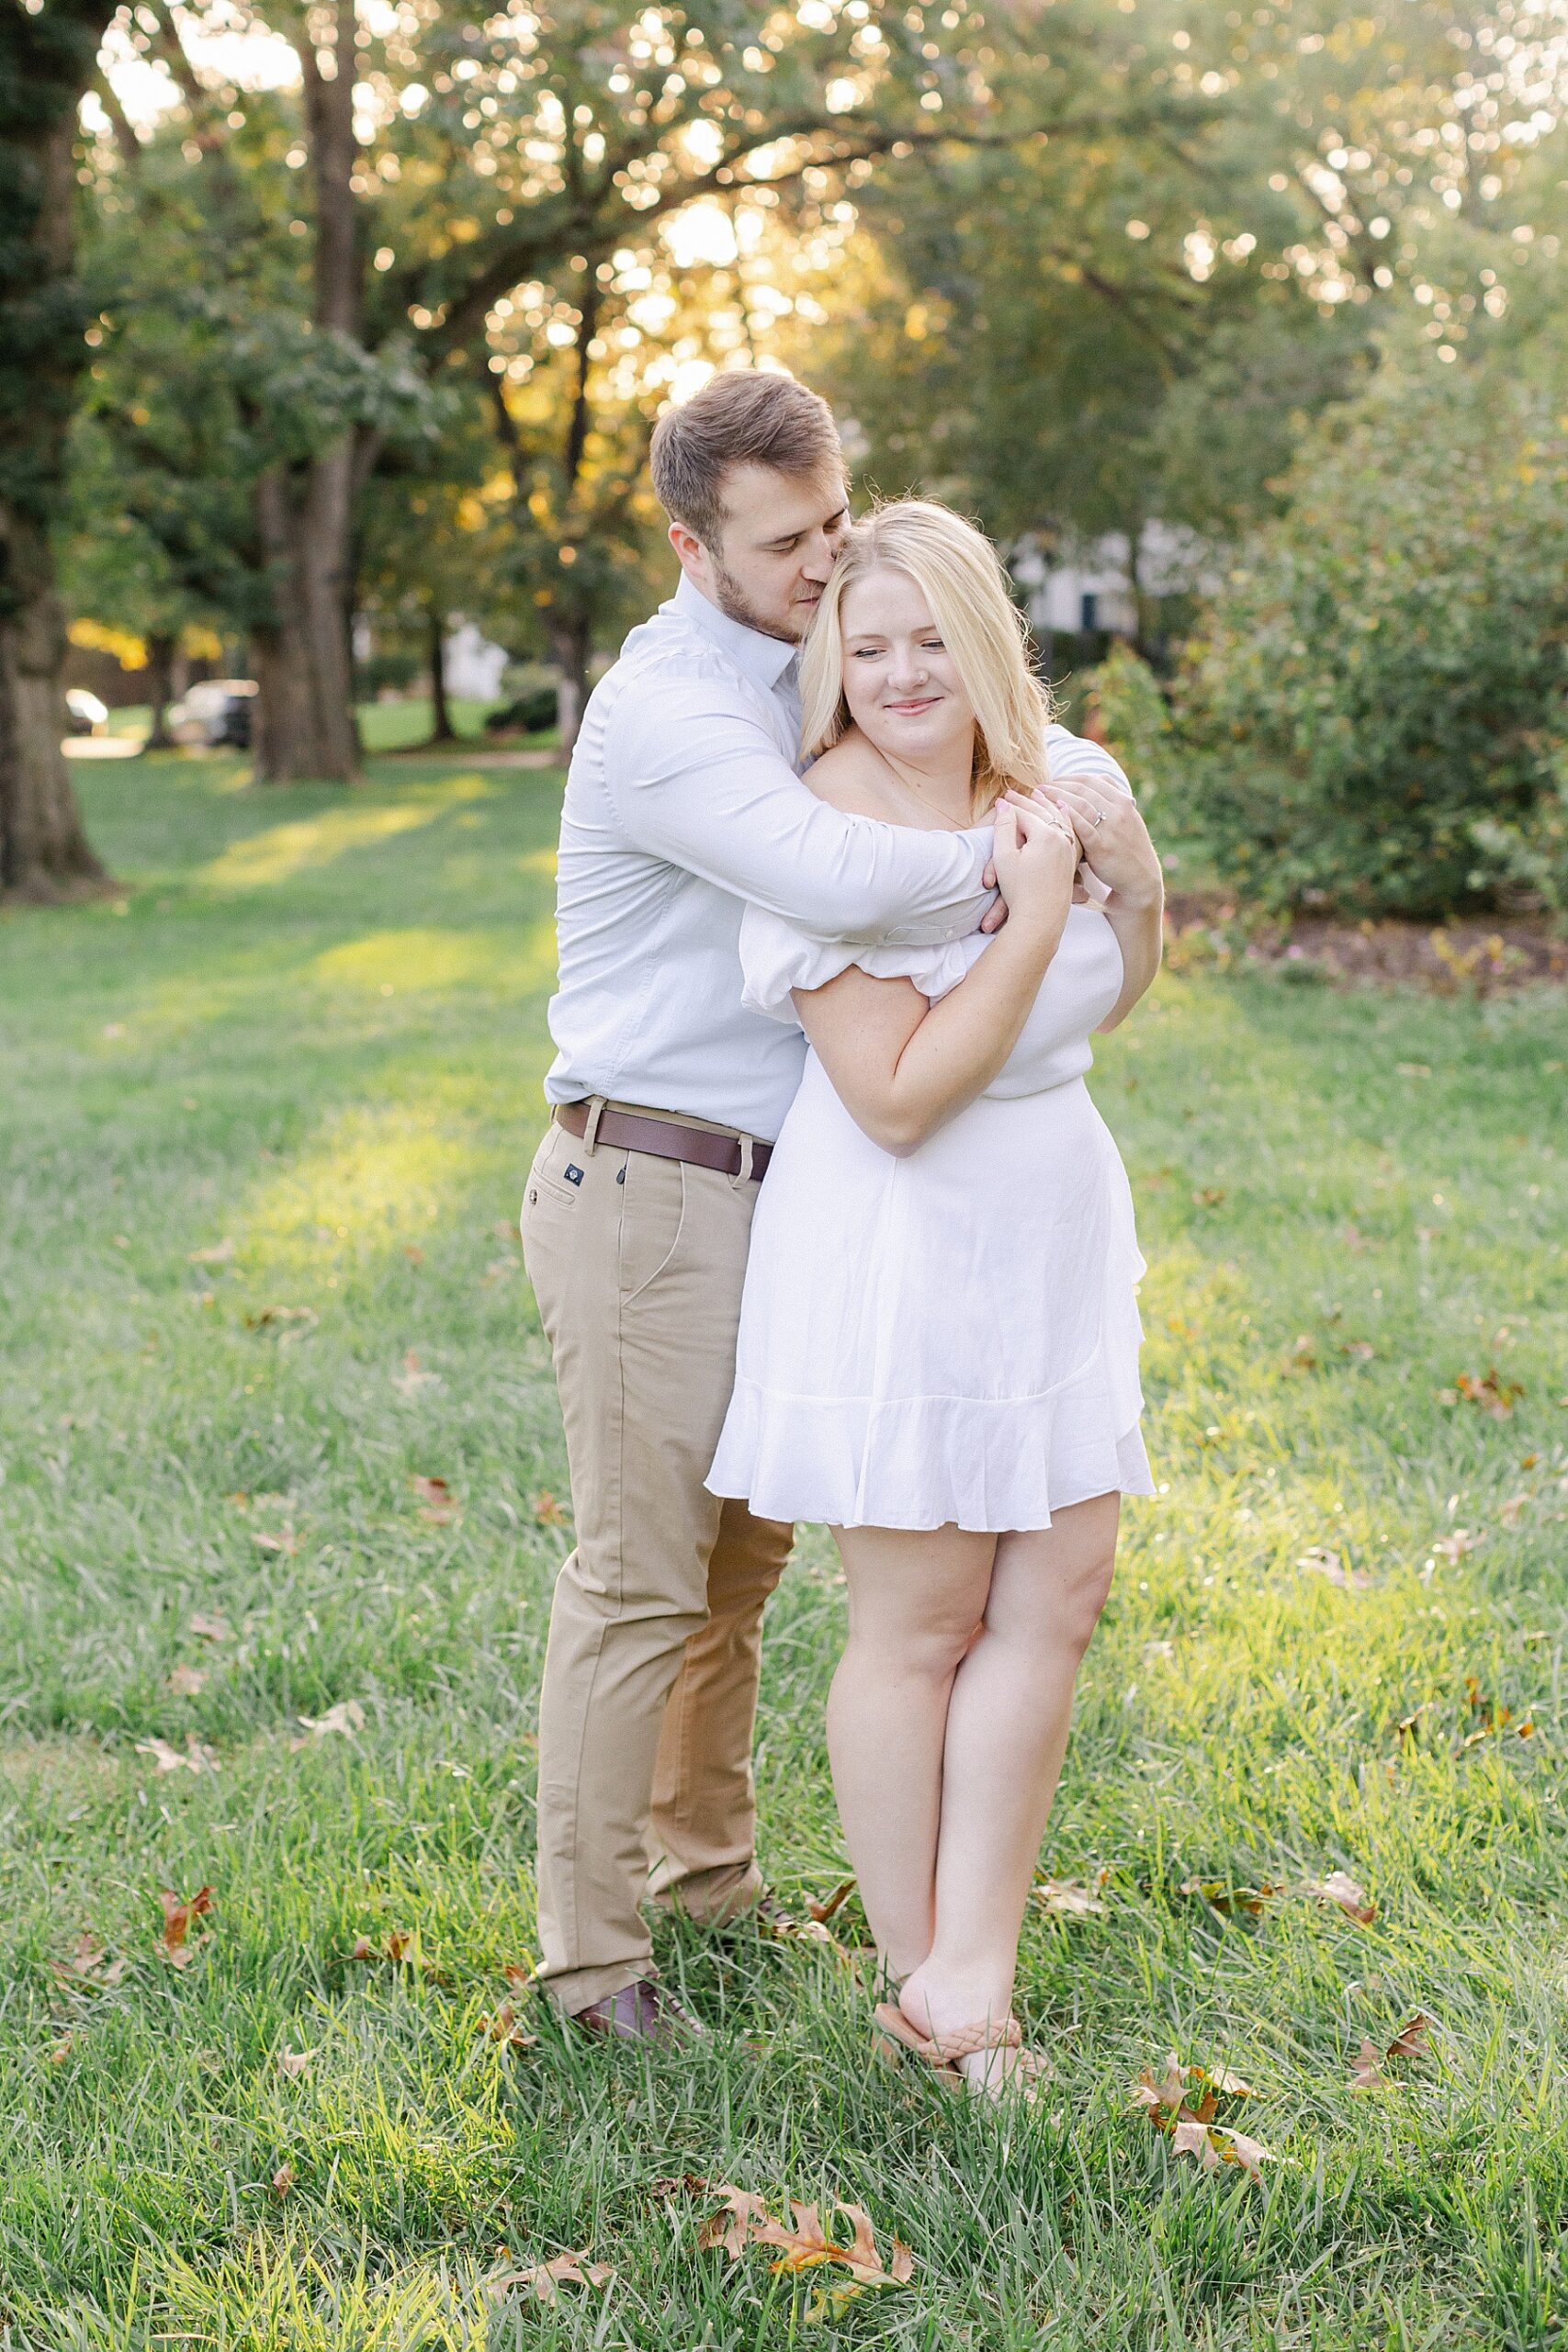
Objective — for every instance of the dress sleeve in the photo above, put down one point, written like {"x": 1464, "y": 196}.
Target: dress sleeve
{"x": 776, "y": 958}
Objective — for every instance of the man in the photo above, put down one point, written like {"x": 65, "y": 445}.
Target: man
{"x": 683, "y": 802}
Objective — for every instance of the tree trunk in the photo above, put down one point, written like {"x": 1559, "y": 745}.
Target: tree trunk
{"x": 441, "y": 727}
{"x": 305, "y": 725}
{"x": 304, "y": 667}
{"x": 43, "y": 850}
{"x": 46, "y": 61}
{"x": 159, "y": 691}
{"x": 569, "y": 649}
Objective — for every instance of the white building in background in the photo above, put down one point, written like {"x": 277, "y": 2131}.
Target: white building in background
{"x": 1092, "y": 587}
{"x": 474, "y": 666}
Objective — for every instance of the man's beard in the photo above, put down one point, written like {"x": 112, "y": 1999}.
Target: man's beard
{"x": 734, "y": 603}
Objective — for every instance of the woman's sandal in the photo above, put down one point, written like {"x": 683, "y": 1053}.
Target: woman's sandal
{"x": 942, "y": 2051}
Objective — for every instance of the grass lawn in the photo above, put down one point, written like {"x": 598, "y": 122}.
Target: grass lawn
{"x": 264, "y": 1131}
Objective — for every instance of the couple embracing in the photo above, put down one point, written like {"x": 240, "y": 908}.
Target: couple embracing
{"x": 825, "y": 1226}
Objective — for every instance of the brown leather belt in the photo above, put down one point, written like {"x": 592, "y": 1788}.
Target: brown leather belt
{"x": 663, "y": 1139}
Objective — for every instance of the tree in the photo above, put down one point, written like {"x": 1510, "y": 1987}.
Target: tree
{"x": 1074, "y": 336}
{"x": 47, "y": 56}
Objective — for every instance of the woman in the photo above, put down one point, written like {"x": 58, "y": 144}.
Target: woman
{"x": 938, "y": 1339}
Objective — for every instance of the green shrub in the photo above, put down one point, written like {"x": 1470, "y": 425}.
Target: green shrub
{"x": 1136, "y": 721}
{"x": 1380, "y": 696}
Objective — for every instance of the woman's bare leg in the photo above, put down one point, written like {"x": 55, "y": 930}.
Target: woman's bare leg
{"x": 915, "y": 1602}
{"x": 1007, "y": 1732}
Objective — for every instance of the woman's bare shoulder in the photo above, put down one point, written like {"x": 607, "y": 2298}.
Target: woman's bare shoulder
{"x": 850, "y": 777}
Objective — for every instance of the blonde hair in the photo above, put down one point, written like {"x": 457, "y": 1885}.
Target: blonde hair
{"x": 963, "y": 580}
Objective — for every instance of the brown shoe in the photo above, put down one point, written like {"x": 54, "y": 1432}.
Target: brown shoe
{"x": 642, "y": 2011}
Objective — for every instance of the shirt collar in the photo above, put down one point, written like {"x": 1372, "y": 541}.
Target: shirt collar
{"x": 763, "y": 659}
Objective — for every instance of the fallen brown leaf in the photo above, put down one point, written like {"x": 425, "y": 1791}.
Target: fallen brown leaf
{"x": 1410, "y": 2041}
{"x": 174, "y": 1944}
{"x": 1331, "y": 1567}
{"x": 1454, "y": 1547}
{"x": 211, "y": 1629}
{"x": 217, "y": 1253}
{"x": 413, "y": 1379}
{"x": 1341, "y": 1888}
{"x": 186, "y": 1682}
{"x": 394, "y": 1947}
{"x": 347, "y": 1717}
{"x": 1192, "y": 2129}
{"x": 61, "y": 2050}
{"x": 823, "y": 1911}
{"x": 542, "y": 2279}
{"x": 436, "y": 1501}
{"x": 413, "y": 1253}
{"x": 1509, "y": 1516}
{"x": 294, "y": 2062}
{"x": 197, "y": 1759}
{"x": 680, "y": 2184}
{"x": 747, "y": 2221}
{"x": 285, "y": 1541}
{"x": 89, "y": 1963}
{"x": 283, "y": 2180}
{"x": 1225, "y": 1899}
{"x": 547, "y": 1512}
{"x": 504, "y": 2027}
{"x": 1366, "y": 2073}
{"x": 1070, "y": 1901}
{"x": 282, "y": 1318}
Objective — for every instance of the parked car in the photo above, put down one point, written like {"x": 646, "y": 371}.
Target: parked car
{"x": 85, "y": 714}
{"x": 214, "y": 713}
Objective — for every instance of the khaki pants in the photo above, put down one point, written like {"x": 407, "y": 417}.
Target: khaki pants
{"x": 649, "y": 1697}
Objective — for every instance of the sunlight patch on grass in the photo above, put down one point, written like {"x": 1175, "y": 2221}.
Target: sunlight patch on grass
{"x": 381, "y": 1170}
{"x": 276, "y": 855}
{"x": 430, "y": 961}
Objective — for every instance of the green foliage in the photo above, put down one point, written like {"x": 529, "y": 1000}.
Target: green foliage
{"x": 1135, "y": 719}
{"x": 1383, "y": 668}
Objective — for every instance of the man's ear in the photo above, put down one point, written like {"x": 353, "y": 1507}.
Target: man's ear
{"x": 689, "y": 548}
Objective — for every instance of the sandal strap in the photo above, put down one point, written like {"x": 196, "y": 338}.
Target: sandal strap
{"x": 968, "y": 2041}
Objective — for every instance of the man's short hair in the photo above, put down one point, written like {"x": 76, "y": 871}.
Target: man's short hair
{"x": 740, "y": 417}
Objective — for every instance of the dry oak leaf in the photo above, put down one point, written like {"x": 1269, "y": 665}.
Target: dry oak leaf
{"x": 504, "y": 2027}
{"x": 89, "y": 1963}
{"x": 285, "y": 1541}
{"x": 347, "y": 1717}
{"x": 1331, "y": 1567}
{"x": 1410, "y": 2041}
{"x": 413, "y": 1377}
{"x": 820, "y": 1913}
{"x": 542, "y": 2279}
{"x": 1341, "y": 1888}
{"x": 61, "y": 2050}
{"x": 173, "y": 1945}
{"x": 1191, "y": 2130}
{"x": 186, "y": 1682}
{"x": 807, "y": 2246}
{"x": 547, "y": 1512}
{"x": 437, "y": 1503}
{"x": 395, "y": 1947}
{"x": 283, "y": 2180}
{"x": 211, "y": 1629}
{"x": 197, "y": 1759}
{"x": 294, "y": 2062}
{"x": 1225, "y": 1899}
{"x": 1509, "y": 1516}
{"x": 1068, "y": 1901}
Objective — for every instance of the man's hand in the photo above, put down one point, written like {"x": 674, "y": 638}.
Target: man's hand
{"x": 994, "y": 916}
{"x": 1116, "y": 845}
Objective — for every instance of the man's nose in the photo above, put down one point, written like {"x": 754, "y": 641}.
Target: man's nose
{"x": 820, "y": 556}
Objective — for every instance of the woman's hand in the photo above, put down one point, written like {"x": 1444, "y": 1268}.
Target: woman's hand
{"x": 1116, "y": 845}
{"x": 1036, "y": 856}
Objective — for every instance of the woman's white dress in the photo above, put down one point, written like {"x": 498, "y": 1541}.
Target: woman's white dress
{"x": 950, "y": 1337}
